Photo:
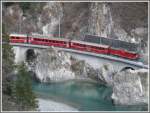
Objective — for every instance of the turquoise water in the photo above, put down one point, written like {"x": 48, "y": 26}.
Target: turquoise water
{"x": 83, "y": 95}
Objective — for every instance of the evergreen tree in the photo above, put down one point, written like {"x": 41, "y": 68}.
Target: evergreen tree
{"x": 22, "y": 89}
{"x": 7, "y": 62}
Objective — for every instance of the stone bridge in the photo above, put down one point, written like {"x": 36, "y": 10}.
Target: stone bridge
{"x": 96, "y": 60}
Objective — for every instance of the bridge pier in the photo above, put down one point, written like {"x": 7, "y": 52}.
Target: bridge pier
{"x": 20, "y": 54}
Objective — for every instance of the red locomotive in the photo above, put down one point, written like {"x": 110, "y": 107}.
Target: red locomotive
{"x": 99, "y": 48}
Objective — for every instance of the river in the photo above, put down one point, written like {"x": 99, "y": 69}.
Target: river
{"x": 80, "y": 95}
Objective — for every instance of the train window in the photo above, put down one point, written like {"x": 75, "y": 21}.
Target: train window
{"x": 94, "y": 47}
{"x": 97, "y": 47}
{"x": 75, "y": 44}
{"x": 36, "y": 39}
{"x": 101, "y": 48}
{"x": 13, "y": 37}
{"x": 90, "y": 46}
{"x": 84, "y": 45}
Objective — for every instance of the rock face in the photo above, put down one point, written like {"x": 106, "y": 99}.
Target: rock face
{"x": 54, "y": 66}
{"x": 130, "y": 87}
{"x": 106, "y": 74}
{"x": 83, "y": 69}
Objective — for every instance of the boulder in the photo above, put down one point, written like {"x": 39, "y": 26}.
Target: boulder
{"x": 130, "y": 87}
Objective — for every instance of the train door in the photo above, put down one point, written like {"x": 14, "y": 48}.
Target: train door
{"x": 109, "y": 50}
{"x": 69, "y": 44}
{"x": 27, "y": 38}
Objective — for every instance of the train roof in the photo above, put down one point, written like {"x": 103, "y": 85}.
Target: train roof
{"x": 96, "y": 36}
{"x": 15, "y": 34}
{"x": 48, "y": 37}
{"x": 91, "y": 44}
{"x": 115, "y": 43}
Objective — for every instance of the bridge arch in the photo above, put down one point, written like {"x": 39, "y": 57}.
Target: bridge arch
{"x": 126, "y": 68}
{"x": 30, "y": 55}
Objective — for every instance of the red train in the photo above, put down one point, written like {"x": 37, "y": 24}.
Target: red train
{"x": 73, "y": 44}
